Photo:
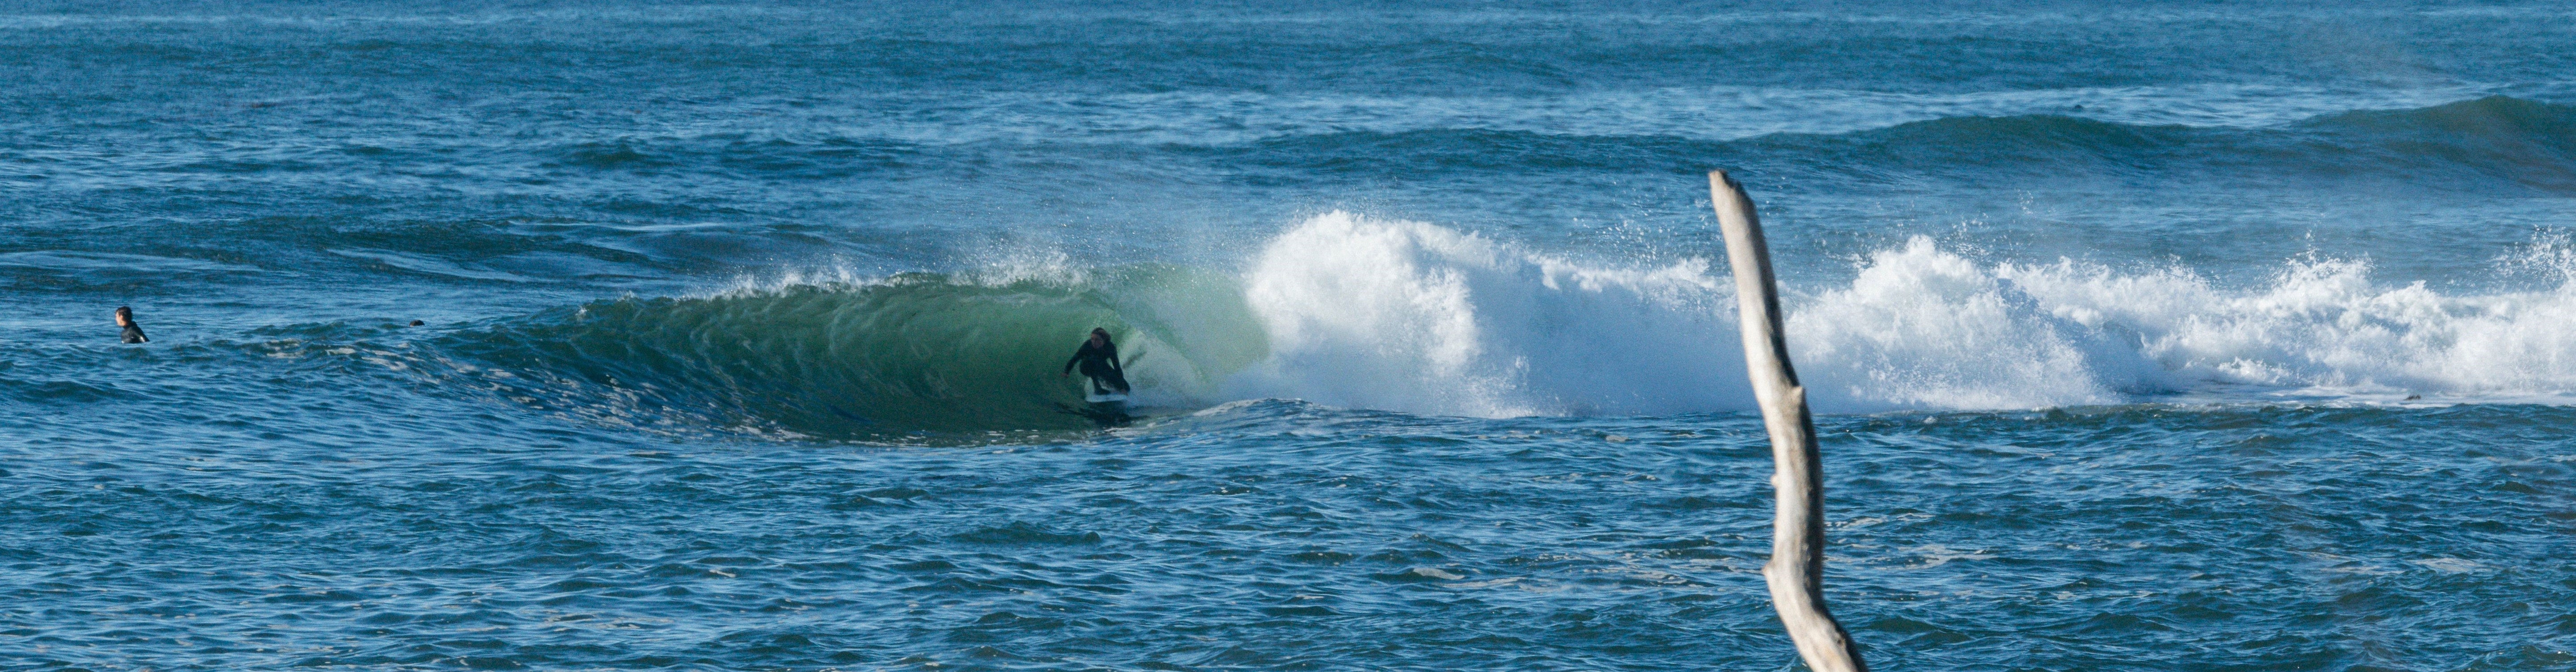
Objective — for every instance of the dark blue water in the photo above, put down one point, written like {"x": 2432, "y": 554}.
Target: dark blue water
{"x": 2172, "y": 338}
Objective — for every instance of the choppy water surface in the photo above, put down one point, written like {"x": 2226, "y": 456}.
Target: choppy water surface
{"x": 2148, "y": 339}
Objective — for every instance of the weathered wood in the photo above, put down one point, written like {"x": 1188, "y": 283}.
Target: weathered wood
{"x": 1797, "y": 565}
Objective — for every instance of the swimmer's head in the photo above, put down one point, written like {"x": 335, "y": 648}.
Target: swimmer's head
{"x": 124, "y": 315}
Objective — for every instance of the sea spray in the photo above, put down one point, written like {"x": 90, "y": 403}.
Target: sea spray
{"x": 1922, "y": 328}
{"x": 1399, "y": 315}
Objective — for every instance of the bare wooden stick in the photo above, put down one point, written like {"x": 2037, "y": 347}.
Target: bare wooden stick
{"x": 1797, "y": 562}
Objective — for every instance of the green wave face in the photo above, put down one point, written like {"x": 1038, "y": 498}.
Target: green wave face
{"x": 916, "y": 354}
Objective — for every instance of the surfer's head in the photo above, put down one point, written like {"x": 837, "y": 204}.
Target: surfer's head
{"x": 1099, "y": 335}
{"x": 124, "y": 316}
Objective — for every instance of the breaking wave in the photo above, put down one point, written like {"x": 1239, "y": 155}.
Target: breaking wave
{"x": 1354, "y": 311}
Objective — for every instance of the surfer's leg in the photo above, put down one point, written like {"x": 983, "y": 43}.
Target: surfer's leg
{"x": 1104, "y": 379}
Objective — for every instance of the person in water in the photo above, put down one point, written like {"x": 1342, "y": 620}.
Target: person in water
{"x": 1099, "y": 360}
{"x": 133, "y": 332}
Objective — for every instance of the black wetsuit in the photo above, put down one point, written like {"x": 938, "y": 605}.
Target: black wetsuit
{"x": 134, "y": 333}
{"x": 1100, "y": 363}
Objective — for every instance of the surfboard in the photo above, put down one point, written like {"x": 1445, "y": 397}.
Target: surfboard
{"x": 1104, "y": 398}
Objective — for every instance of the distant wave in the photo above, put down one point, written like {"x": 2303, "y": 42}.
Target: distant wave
{"x": 2489, "y": 140}
{"x": 2495, "y": 141}
{"x": 2499, "y": 138}
{"x": 1354, "y": 311}
{"x": 748, "y": 155}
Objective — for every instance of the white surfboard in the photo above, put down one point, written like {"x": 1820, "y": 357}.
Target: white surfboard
{"x": 1104, "y": 398}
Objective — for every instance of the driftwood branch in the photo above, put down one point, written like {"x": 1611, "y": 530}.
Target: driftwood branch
{"x": 1797, "y": 565}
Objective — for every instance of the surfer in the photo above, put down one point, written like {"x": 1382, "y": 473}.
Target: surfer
{"x": 1099, "y": 360}
{"x": 133, "y": 332}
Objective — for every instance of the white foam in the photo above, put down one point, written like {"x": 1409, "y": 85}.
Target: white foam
{"x": 1924, "y": 328}
{"x": 1407, "y": 316}
{"x": 1920, "y": 328}
{"x": 2324, "y": 326}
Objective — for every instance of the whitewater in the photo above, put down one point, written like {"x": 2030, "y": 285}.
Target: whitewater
{"x": 730, "y": 336}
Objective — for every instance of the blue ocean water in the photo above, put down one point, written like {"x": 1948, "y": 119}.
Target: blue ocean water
{"x": 2174, "y": 337}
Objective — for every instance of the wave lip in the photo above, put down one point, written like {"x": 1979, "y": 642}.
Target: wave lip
{"x": 855, "y": 358}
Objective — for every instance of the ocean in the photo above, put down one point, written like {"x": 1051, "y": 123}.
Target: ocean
{"x": 2172, "y": 336}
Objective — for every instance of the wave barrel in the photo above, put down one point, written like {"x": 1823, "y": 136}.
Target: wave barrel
{"x": 1795, "y": 572}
